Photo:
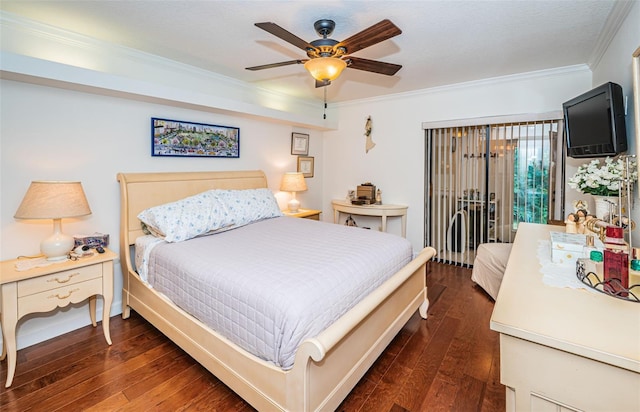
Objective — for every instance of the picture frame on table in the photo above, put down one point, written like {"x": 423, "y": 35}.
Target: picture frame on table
{"x": 189, "y": 139}
{"x": 299, "y": 144}
{"x": 305, "y": 165}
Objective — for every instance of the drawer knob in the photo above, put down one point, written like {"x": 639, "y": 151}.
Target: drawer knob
{"x": 58, "y": 280}
{"x": 57, "y": 295}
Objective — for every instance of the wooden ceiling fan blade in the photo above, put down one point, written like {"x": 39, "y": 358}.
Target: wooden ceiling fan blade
{"x": 368, "y": 37}
{"x": 374, "y": 66}
{"x": 272, "y": 65}
{"x": 285, "y": 35}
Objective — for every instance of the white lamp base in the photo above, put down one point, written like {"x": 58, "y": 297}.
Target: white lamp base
{"x": 57, "y": 246}
{"x": 294, "y": 205}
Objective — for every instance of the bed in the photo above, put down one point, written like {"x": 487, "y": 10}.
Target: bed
{"x": 325, "y": 366}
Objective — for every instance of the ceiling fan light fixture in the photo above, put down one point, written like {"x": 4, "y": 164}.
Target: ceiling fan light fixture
{"x": 325, "y": 68}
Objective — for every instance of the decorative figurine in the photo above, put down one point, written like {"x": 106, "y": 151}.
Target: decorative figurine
{"x": 581, "y": 219}
{"x": 570, "y": 223}
{"x": 367, "y": 132}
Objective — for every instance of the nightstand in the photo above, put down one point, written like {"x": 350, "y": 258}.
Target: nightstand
{"x": 43, "y": 289}
{"x": 304, "y": 213}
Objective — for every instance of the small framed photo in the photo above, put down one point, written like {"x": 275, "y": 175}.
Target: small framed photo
{"x": 299, "y": 144}
{"x": 305, "y": 165}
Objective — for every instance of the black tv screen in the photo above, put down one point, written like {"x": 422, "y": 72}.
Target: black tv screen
{"x": 594, "y": 123}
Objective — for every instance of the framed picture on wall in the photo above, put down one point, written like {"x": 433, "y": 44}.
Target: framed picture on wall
{"x": 299, "y": 144}
{"x": 305, "y": 165}
{"x": 188, "y": 139}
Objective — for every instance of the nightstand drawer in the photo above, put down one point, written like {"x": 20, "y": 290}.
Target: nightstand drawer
{"x": 59, "y": 297}
{"x": 58, "y": 279}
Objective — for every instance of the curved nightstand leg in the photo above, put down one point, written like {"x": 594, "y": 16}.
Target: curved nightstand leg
{"x": 107, "y": 295}
{"x": 92, "y": 310}
{"x": 9, "y": 337}
{"x": 9, "y": 320}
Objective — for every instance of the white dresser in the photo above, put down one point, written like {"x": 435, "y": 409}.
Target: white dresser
{"x": 563, "y": 349}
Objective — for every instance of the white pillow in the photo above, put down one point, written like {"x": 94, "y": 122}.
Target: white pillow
{"x": 186, "y": 218}
{"x": 251, "y": 205}
{"x": 207, "y": 212}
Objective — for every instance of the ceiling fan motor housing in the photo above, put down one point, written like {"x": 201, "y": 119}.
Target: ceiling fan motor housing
{"x": 325, "y": 48}
{"x": 324, "y": 27}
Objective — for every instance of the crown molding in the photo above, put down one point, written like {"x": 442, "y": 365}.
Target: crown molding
{"x": 618, "y": 14}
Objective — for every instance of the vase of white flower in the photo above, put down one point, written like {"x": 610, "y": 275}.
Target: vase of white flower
{"x": 603, "y": 180}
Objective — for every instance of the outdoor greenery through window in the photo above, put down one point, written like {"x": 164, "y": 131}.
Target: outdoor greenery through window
{"x": 532, "y": 173}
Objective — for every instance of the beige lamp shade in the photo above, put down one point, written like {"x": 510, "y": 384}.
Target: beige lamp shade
{"x": 293, "y": 182}
{"x": 325, "y": 68}
{"x": 54, "y": 200}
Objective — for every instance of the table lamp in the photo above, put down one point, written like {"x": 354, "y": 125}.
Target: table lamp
{"x": 293, "y": 182}
{"x": 54, "y": 200}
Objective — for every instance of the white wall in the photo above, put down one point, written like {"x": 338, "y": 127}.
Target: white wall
{"x": 396, "y": 164}
{"x": 48, "y": 133}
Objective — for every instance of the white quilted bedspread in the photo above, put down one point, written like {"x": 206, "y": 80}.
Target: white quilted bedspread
{"x": 271, "y": 284}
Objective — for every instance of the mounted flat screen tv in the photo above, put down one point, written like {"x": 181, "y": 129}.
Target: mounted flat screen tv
{"x": 594, "y": 123}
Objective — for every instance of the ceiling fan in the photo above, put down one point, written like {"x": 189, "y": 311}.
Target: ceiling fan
{"x": 328, "y": 57}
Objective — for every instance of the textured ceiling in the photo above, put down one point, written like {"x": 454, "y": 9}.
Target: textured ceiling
{"x": 443, "y": 42}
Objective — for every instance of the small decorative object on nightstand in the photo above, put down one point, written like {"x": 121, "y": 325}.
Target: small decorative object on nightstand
{"x": 45, "y": 288}
{"x": 304, "y": 213}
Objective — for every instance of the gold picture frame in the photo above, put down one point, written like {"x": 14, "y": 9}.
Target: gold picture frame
{"x": 305, "y": 165}
{"x": 299, "y": 144}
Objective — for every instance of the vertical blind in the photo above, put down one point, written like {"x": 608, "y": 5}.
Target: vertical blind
{"x": 482, "y": 180}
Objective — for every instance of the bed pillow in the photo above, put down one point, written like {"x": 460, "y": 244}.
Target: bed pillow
{"x": 209, "y": 212}
{"x": 251, "y": 205}
{"x": 186, "y": 218}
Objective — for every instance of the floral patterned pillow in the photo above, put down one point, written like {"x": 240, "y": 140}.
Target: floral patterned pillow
{"x": 208, "y": 212}
{"x": 252, "y": 205}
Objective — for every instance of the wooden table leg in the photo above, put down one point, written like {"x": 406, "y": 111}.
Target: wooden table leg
{"x": 9, "y": 319}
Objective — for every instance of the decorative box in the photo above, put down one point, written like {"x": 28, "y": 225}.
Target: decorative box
{"x": 566, "y": 248}
{"x": 94, "y": 240}
{"x": 366, "y": 191}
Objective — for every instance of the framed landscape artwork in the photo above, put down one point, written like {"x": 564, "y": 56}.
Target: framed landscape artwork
{"x": 188, "y": 139}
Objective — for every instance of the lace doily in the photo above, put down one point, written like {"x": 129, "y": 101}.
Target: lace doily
{"x": 26, "y": 264}
{"x": 556, "y": 274}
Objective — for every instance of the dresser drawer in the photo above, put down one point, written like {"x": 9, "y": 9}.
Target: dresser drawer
{"x": 59, "y": 297}
{"x": 58, "y": 279}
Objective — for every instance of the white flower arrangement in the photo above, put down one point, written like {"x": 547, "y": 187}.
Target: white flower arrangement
{"x": 603, "y": 179}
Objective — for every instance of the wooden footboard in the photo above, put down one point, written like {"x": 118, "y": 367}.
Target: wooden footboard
{"x": 326, "y": 367}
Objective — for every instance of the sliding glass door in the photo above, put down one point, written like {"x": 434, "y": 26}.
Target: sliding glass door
{"x": 482, "y": 180}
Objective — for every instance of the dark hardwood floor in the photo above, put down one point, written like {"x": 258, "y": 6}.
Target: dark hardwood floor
{"x": 449, "y": 362}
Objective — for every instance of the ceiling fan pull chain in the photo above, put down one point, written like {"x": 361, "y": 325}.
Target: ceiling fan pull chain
{"x": 324, "y": 115}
